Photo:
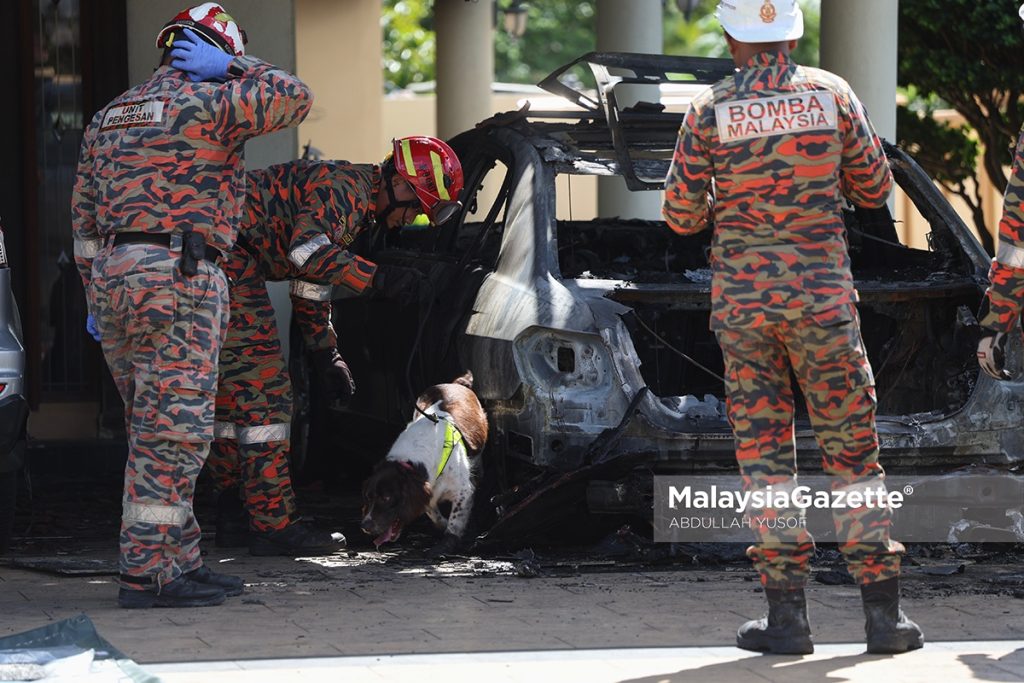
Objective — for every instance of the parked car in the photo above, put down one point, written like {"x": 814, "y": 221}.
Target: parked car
{"x": 589, "y": 339}
{"x": 13, "y": 406}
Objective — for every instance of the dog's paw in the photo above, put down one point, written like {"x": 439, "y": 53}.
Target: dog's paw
{"x": 446, "y": 546}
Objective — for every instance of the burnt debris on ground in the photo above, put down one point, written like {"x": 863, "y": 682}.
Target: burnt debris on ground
{"x": 69, "y": 526}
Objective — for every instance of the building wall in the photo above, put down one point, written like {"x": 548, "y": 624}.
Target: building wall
{"x": 338, "y": 54}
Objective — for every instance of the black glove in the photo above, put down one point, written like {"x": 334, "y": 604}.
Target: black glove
{"x": 335, "y": 375}
{"x": 992, "y": 353}
{"x": 397, "y": 282}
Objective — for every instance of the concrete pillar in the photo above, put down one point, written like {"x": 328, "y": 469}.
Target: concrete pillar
{"x": 338, "y": 54}
{"x": 629, "y": 26}
{"x": 465, "y": 63}
{"x": 858, "y": 42}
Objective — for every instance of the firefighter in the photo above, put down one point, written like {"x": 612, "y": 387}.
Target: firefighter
{"x": 781, "y": 143}
{"x": 300, "y": 220}
{"x": 156, "y": 203}
{"x": 1002, "y": 305}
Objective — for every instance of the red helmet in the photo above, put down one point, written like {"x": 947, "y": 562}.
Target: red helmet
{"x": 211, "y": 22}
{"x": 433, "y": 170}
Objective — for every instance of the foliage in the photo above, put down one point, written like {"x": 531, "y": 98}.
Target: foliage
{"x": 558, "y": 31}
{"x": 701, "y": 35}
{"x": 409, "y": 42}
{"x": 969, "y": 53}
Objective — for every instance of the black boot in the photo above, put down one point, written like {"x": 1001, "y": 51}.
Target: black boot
{"x": 232, "y": 520}
{"x": 784, "y": 630}
{"x": 888, "y": 630}
{"x": 295, "y": 540}
{"x": 231, "y": 585}
{"x": 182, "y": 592}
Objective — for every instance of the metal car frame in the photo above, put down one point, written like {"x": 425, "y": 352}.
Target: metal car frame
{"x": 554, "y": 356}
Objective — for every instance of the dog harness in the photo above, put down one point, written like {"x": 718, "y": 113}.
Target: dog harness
{"x": 452, "y": 438}
{"x": 429, "y": 442}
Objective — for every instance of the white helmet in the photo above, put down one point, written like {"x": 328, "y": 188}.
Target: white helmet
{"x": 1021, "y": 12}
{"x": 761, "y": 21}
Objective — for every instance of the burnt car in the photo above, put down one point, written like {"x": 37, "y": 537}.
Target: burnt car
{"x": 589, "y": 339}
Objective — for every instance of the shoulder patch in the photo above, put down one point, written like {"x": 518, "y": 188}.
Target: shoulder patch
{"x": 133, "y": 114}
{"x": 783, "y": 114}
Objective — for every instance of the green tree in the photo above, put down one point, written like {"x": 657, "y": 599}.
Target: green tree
{"x": 558, "y": 31}
{"x": 970, "y": 55}
{"x": 408, "y": 42}
{"x": 701, "y": 35}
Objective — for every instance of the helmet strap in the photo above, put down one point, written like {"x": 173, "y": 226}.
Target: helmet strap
{"x": 387, "y": 176}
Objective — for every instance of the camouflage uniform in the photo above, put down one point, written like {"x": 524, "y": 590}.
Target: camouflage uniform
{"x": 298, "y": 220}
{"x": 782, "y": 143}
{"x": 164, "y": 156}
{"x": 1006, "y": 293}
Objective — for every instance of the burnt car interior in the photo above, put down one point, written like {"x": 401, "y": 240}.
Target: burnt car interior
{"x": 909, "y": 298}
{"x": 908, "y": 307}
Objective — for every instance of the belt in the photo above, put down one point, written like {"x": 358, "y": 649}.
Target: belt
{"x": 162, "y": 239}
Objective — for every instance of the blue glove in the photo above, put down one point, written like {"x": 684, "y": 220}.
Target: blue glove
{"x": 199, "y": 60}
{"x": 90, "y": 327}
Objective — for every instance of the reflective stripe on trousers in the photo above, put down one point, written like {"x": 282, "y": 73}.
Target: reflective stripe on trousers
{"x": 142, "y": 513}
{"x": 250, "y": 435}
{"x": 1010, "y": 256}
{"x": 88, "y": 248}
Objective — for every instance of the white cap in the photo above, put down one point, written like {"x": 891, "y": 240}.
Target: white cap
{"x": 761, "y": 21}
{"x": 1021, "y": 12}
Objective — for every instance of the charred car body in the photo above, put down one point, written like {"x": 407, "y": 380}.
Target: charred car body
{"x": 589, "y": 339}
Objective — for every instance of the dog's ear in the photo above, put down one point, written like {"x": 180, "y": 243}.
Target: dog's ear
{"x": 370, "y": 484}
{"x": 370, "y": 491}
{"x": 429, "y": 397}
{"x": 465, "y": 380}
{"x": 383, "y": 473}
